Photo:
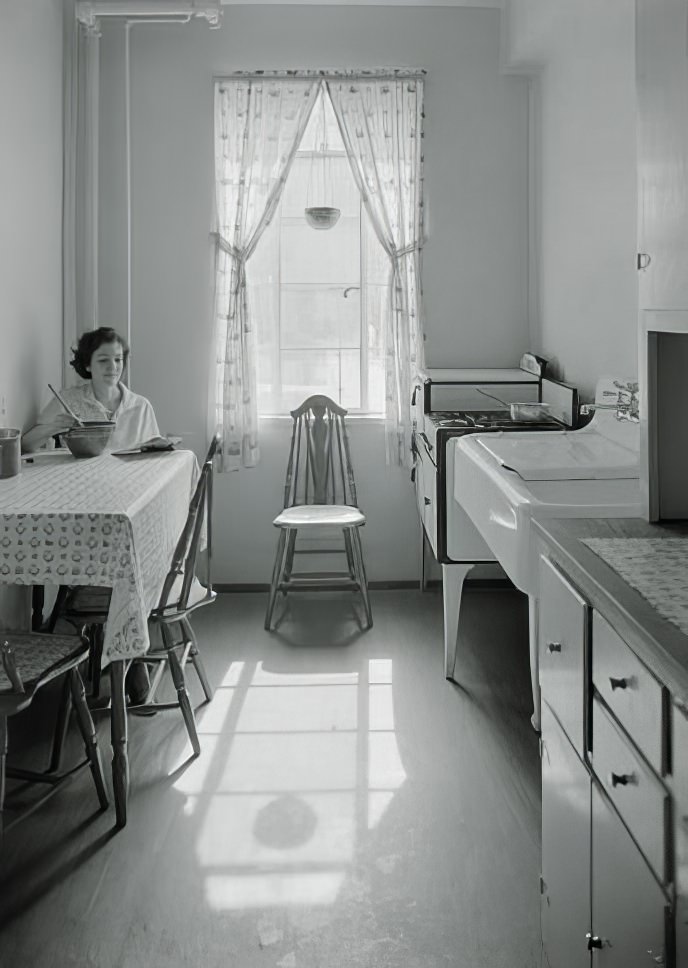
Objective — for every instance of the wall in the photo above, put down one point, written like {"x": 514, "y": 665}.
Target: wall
{"x": 474, "y": 262}
{"x": 583, "y": 56}
{"x": 31, "y": 204}
{"x": 31, "y": 222}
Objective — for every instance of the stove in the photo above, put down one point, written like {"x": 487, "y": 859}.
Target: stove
{"x": 451, "y": 406}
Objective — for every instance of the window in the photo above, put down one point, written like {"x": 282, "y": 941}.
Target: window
{"x": 317, "y": 296}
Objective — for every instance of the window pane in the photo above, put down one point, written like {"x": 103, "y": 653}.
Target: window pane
{"x": 305, "y": 372}
{"x": 313, "y": 317}
{"x": 312, "y": 256}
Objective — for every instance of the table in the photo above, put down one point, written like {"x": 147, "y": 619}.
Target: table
{"x": 107, "y": 521}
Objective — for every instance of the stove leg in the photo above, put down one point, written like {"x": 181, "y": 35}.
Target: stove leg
{"x": 534, "y": 660}
{"x": 452, "y": 585}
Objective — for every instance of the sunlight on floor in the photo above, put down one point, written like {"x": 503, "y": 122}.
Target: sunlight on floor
{"x": 294, "y": 771}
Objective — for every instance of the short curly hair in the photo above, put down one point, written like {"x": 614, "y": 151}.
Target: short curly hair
{"x": 89, "y": 343}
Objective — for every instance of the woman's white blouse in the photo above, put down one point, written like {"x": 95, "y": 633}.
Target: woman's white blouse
{"x": 134, "y": 418}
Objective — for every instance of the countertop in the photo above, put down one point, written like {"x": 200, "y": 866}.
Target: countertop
{"x": 658, "y": 642}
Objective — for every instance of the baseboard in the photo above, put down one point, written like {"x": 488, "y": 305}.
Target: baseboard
{"x": 435, "y": 584}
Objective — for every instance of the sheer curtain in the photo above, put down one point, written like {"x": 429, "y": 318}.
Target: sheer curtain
{"x": 380, "y": 119}
{"x": 259, "y": 122}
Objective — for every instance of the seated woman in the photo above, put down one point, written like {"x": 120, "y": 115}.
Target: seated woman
{"x": 99, "y": 358}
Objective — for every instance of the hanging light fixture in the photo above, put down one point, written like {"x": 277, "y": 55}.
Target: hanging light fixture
{"x": 321, "y": 215}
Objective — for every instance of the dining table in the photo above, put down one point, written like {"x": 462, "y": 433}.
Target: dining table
{"x": 110, "y": 521}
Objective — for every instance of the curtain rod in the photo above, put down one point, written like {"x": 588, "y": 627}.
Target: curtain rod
{"x": 382, "y": 74}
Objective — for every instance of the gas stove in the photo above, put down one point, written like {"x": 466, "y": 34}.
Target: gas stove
{"x": 439, "y": 425}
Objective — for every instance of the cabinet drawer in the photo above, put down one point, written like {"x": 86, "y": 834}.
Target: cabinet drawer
{"x": 634, "y": 789}
{"x": 562, "y": 635}
{"x": 633, "y": 694}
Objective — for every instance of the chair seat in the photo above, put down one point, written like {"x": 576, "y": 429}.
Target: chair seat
{"x": 36, "y": 654}
{"x": 320, "y": 515}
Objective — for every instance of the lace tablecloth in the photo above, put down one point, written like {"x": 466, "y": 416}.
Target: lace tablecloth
{"x": 105, "y": 521}
{"x": 655, "y": 567}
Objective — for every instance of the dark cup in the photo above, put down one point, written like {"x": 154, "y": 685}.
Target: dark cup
{"x": 10, "y": 452}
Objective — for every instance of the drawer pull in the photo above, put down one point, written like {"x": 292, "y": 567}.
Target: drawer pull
{"x": 618, "y": 683}
{"x": 554, "y": 647}
{"x": 622, "y": 779}
{"x": 427, "y": 501}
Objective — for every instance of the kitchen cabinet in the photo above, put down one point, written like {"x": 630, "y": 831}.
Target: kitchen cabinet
{"x": 614, "y": 750}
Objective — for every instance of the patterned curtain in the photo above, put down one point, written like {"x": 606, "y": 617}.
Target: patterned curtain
{"x": 380, "y": 119}
{"x": 259, "y": 122}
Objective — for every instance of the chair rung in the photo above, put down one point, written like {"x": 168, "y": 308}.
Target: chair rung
{"x": 315, "y": 584}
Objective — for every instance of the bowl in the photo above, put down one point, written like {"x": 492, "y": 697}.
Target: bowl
{"x": 89, "y": 440}
{"x": 530, "y": 411}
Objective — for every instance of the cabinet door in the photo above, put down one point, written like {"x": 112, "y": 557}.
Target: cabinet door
{"x": 680, "y": 741}
{"x": 630, "y": 912}
{"x": 565, "y": 887}
{"x": 662, "y": 87}
{"x": 562, "y": 638}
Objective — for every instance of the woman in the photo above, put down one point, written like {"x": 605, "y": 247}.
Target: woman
{"x": 99, "y": 358}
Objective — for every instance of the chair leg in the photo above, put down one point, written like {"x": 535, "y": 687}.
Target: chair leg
{"x": 96, "y": 638}
{"x": 180, "y": 685}
{"x": 276, "y": 572}
{"x": 3, "y": 760}
{"x": 196, "y": 659}
{"x": 362, "y": 578}
{"x": 349, "y": 554}
{"x": 60, "y": 599}
{"x": 88, "y": 734}
{"x": 289, "y": 556}
{"x": 61, "y": 726}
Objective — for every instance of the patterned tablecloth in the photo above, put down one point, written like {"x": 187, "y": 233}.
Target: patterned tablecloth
{"x": 655, "y": 567}
{"x": 105, "y": 521}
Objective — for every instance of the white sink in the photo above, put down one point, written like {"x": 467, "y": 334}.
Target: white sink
{"x": 501, "y": 503}
{"x": 503, "y": 481}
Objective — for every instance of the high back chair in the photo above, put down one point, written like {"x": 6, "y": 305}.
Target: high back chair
{"x": 29, "y": 662}
{"x": 182, "y": 593}
{"x": 319, "y": 496}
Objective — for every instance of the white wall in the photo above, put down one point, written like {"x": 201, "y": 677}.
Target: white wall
{"x": 583, "y": 54}
{"x": 30, "y": 203}
{"x": 474, "y": 262}
{"x": 30, "y": 221}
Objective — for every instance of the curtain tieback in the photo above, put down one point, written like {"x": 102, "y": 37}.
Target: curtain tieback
{"x": 397, "y": 254}
{"x": 239, "y": 257}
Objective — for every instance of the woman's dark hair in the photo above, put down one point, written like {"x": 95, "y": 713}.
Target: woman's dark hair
{"x": 89, "y": 343}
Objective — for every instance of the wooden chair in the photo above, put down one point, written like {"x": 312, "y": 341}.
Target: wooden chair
{"x": 29, "y": 662}
{"x": 319, "y": 495}
{"x": 182, "y": 593}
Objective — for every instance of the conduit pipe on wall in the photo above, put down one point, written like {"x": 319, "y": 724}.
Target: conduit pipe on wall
{"x": 89, "y": 13}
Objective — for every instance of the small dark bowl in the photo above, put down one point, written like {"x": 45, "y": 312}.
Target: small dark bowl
{"x": 89, "y": 440}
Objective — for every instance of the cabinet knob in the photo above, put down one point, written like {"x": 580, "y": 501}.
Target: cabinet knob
{"x": 554, "y": 646}
{"x": 594, "y": 941}
{"x": 618, "y": 683}
{"x": 621, "y": 779}
{"x": 427, "y": 501}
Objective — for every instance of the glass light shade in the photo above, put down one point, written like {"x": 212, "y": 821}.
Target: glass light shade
{"x": 322, "y": 216}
